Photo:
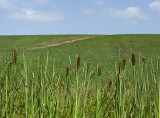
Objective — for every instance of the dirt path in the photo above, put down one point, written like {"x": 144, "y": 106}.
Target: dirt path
{"x": 55, "y": 44}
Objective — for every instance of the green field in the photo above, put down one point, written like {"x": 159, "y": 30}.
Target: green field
{"x": 27, "y": 41}
{"x": 93, "y": 90}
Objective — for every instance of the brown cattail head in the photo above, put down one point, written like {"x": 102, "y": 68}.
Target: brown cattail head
{"x": 88, "y": 64}
{"x": 109, "y": 83}
{"x": 118, "y": 75}
{"x": 124, "y": 62}
{"x": 99, "y": 71}
{"x": 15, "y": 55}
{"x": 133, "y": 59}
{"x": 32, "y": 75}
{"x": 78, "y": 62}
{"x": 119, "y": 66}
{"x": 67, "y": 71}
{"x": 143, "y": 59}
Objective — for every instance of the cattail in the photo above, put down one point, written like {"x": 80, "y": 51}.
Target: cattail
{"x": 124, "y": 62}
{"x": 109, "y": 83}
{"x": 99, "y": 71}
{"x": 119, "y": 66}
{"x": 118, "y": 75}
{"x": 78, "y": 62}
{"x": 133, "y": 59}
{"x": 88, "y": 64}
{"x": 32, "y": 75}
{"x": 67, "y": 71}
{"x": 143, "y": 59}
{"x": 15, "y": 55}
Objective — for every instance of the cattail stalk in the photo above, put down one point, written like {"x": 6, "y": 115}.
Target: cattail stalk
{"x": 32, "y": 92}
{"x": 133, "y": 59}
{"x": 78, "y": 62}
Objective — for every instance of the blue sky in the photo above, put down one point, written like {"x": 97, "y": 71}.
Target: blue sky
{"x": 25, "y": 17}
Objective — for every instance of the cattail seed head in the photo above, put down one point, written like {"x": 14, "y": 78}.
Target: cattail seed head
{"x": 118, "y": 75}
{"x": 109, "y": 83}
{"x": 143, "y": 59}
{"x": 67, "y": 71}
{"x": 15, "y": 55}
{"x": 32, "y": 75}
{"x": 124, "y": 62}
{"x": 99, "y": 71}
{"x": 88, "y": 64}
{"x": 78, "y": 62}
{"x": 133, "y": 59}
{"x": 119, "y": 66}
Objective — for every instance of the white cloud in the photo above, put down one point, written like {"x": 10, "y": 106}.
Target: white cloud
{"x": 33, "y": 15}
{"x": 88, "y": 11}
{"x": 155, "y": 6}
{"x": 130, "y": 14}
{"x": 99, "y": 2}
{"x": 6, "y": 4}
{"x": 41, "y": 2}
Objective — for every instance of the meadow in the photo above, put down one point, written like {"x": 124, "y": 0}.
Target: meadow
{"x": 113, "y": 76}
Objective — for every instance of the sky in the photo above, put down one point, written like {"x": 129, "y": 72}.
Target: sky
{"x": 45, "y": 17}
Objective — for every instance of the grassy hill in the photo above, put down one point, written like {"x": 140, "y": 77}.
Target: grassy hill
{"x": 47, "y": 82}
{"x": 24, "y": 41}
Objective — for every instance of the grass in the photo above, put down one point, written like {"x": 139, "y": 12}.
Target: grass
{"x": 103, "y": 50}
{"x": 38, "y": 86}
{"x": 27, "y": 41}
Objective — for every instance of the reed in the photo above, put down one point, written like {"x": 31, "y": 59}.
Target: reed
{"x": 67, "y": 71}
{"x": 118, "y": 75}
{"x": 32, "y": 75}
{"x": 120, "y": 67}
{"x": 109, "y": 84}
{"x": 99, "y": 71}
{"x": 144, "y": 59}
{"x": 71, "y": 93}
{"x": 88, "y": 64}
{"x": 15, "y": 56}
{"x": 124, "y": 63}
{"x": 133, "y": 59}
{"x": 78, "y": 62}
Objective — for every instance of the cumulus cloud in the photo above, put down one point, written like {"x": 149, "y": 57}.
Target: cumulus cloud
{"x": 6, "y": 4}
{"x": 155, "y": 6}
{"x": 33, "y": 15}
{"x": 17, "y": 12}
{"x": 130, "y": 14}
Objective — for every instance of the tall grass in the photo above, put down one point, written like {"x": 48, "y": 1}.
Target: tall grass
{"x": 32, "y": 89}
